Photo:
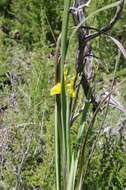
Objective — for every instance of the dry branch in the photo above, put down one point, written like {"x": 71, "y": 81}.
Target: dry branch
{"x": 84, "y": 50}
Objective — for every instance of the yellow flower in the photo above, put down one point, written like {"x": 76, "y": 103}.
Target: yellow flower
{"x": 69, "y": 86}
{"x": 56, "y": 89}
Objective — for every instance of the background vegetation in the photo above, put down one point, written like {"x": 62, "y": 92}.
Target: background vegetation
{"x": 28, "y": 33}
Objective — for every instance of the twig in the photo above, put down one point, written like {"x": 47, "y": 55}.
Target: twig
{"x": 83, "y": 51}
{"x": 110, "y": 25}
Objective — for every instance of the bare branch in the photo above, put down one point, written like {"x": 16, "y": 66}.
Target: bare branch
{"x": 84, "y": 49}
{"x": 110, "y": 25}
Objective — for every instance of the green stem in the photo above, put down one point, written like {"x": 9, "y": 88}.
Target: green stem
{"x": 57, "y": 143}
{"x": 63, "y": 94}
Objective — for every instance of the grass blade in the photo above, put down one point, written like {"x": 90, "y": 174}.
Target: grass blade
{"x": 63, "y": 94}
{"x": 57, "y": 143}
{"x": 72, "y": 174}
{"x": 68, "y": 135}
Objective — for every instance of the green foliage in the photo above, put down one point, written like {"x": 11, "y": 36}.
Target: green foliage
{"x": 108, "y": 164}
{"x": 4, "y": 7}
{"x": 34, "y": 21}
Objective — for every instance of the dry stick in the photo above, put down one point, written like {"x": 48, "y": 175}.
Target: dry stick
{"x": 86, "y": 38}
{"x": 83, "y": 49}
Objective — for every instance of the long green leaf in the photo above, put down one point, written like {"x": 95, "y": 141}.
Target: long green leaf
{"x": 57, "y": 144}
{"x": 68, "y": 135}
{"x": 63, "y": 56}
{"x": 72, "y": 174}
{"x": 63, "y": 95}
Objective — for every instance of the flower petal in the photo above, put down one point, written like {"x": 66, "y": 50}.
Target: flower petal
{"x": 56, "y": 89}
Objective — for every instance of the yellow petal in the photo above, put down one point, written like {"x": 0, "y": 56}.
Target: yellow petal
{"x": 65, "y": 73}
{"x": 73, "y": 80}
{"x": 56, "y": 89}
{"x": 71, "y": 92}
{"x": 70, "y": 89}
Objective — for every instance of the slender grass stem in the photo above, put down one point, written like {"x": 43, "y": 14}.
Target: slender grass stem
{"x": 63, "y": 94}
